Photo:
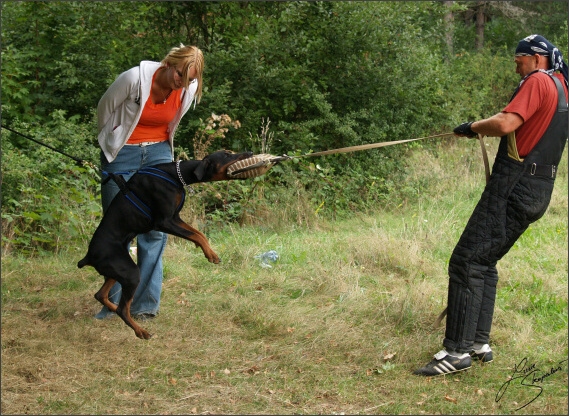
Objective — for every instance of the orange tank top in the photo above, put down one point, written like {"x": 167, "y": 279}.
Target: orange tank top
{"x": 153, "y": 123}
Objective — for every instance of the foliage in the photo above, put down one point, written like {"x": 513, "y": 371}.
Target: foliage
{"x": 215, "y": 127}
{"x": 506, "y": 22}
{"x": 326, "y": 75}
{"x": 47, "y": 199}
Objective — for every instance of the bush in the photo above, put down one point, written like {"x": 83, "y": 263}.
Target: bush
{"x": 47, "y": 199}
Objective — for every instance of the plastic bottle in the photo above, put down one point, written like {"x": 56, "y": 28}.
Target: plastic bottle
{"x": 268, "y": 257}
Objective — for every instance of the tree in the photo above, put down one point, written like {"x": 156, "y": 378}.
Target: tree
{"x": 449, "y": 26}
{"x": 503, "y": 23}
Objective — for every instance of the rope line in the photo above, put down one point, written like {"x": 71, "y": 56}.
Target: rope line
{"x": 80, "y": 162}
{"x": 372, "y": 145}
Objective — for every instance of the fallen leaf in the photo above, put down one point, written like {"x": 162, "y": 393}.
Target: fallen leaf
{"x": 372, "y": 371}
{"x": 389, "y": 356}
{"x": 479, "y": 392}
{"x": 252, "y": 370}
{"x": 226, "y": 371}
{"x": 450, "y": 399}
{"x": 173, "y": 381}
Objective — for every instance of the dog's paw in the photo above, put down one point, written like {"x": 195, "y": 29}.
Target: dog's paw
{"x": 143, "y": 334}
{"x": 212, "y": 257}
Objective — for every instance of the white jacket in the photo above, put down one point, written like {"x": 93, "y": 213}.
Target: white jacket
{"x": 119, "y": 109}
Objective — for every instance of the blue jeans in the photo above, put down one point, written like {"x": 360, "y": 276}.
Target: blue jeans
{"x": 150, "y": 246}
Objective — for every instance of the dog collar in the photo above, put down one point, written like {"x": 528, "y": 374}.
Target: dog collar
{"x": 182, "y": 179}
{"x": 180, "y": 173}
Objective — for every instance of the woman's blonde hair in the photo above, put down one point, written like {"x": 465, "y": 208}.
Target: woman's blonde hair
{"x": 189, "y": 56}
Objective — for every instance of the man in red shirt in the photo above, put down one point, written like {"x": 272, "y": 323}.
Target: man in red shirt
{"x": 533, "y": 128}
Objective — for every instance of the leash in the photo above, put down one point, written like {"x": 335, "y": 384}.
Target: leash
{"x": 484, "y": 157}
{"x": 258, "y": 165}
{"x": 80, "y": 162}
{"x": 274, "y": 160}
{"x": 372, "y": 145}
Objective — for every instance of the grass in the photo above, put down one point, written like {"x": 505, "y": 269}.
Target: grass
{"x": 335, "y": 326}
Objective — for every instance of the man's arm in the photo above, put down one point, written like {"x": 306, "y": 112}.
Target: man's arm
{"x": 498, "y": 125}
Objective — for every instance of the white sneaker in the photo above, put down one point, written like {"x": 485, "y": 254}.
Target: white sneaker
{"x": 445, "y": 363}
{"x": 484, "y": 354}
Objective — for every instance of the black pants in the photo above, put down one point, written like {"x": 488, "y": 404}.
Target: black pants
{"x": 511, "y": 201}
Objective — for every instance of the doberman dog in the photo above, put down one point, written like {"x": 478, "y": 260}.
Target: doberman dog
{"x": 150, "y": 200}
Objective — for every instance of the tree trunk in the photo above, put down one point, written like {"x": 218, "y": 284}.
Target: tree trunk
{"x": 449, "y": 28}
{"x": 480, "y": 23}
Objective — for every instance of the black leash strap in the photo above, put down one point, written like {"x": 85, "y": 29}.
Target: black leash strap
{"x": 80, "y": 162}
{"x": 129, "y": 195}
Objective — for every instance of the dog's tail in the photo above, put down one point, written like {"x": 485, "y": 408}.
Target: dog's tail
{"x": 83, "y": 262}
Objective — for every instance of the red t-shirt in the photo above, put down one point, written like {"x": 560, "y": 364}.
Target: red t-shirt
{"x": 154, "y": 120}
{"x": 535, "y": 103}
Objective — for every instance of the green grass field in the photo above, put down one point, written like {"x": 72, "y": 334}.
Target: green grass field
{"x": 335, "y": 326}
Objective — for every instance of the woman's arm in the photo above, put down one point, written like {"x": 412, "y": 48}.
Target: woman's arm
{"x": 116, "y": 94}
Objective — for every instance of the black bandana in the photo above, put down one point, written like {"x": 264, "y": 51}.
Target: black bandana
{"x": 538, "y": 45}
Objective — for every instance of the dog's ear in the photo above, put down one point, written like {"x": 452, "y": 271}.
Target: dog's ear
{"x": 200, "y": 170}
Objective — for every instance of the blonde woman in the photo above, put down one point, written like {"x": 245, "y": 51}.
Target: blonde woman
{"x": 137, "y": 118}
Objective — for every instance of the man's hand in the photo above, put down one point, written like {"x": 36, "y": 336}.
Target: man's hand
{"x": 465, "y": 130}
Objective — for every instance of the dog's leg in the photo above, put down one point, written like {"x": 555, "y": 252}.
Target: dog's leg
{"x": 200, "y": 240}
{"x": 123, "y": 311}
{"x": 179, "y": 228}
{"x": 103, "y": 294}
{"x": 129, "y": 286}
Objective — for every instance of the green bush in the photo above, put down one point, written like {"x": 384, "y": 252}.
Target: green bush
{"x": 48, "y": 200}
{"x": 327, "y": 74}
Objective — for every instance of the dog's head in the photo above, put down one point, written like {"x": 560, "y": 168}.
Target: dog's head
{"x": 214, "y": 166}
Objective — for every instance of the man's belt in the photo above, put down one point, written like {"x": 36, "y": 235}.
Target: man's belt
{"x": 548, "y": 171}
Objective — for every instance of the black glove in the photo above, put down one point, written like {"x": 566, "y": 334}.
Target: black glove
{"x": 465, "y": 130}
